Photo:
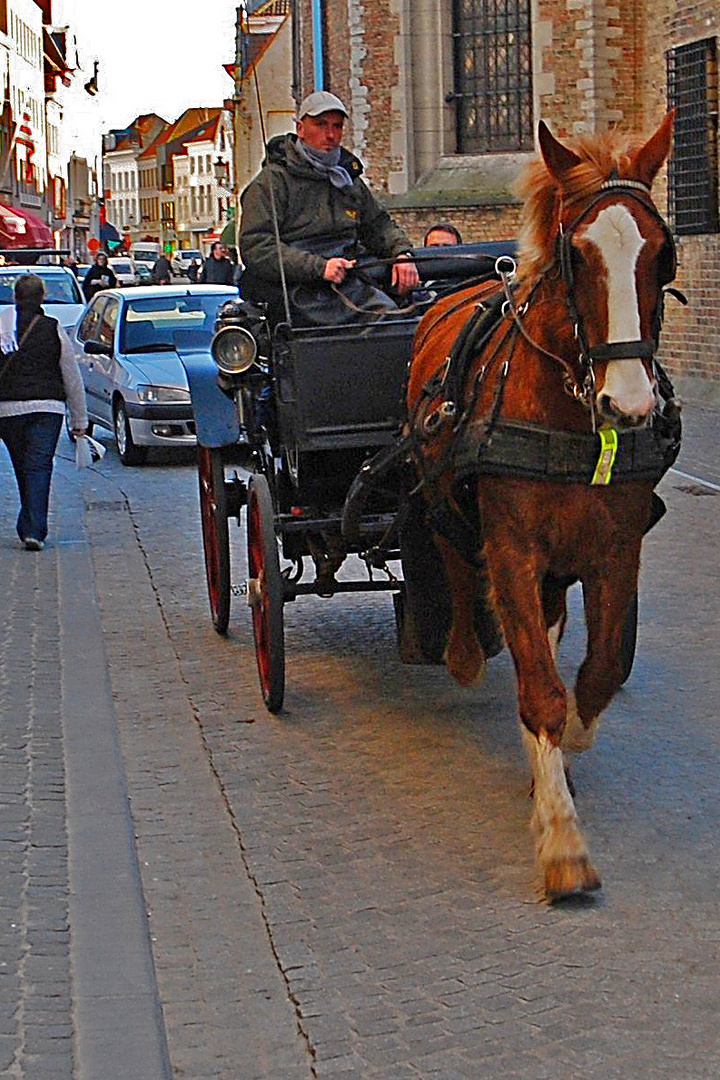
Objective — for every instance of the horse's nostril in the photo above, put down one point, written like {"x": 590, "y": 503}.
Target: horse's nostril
{"x": 607, "y": 406}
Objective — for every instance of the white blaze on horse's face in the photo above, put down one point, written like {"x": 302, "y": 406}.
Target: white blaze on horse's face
{"x": 627, "y": 393}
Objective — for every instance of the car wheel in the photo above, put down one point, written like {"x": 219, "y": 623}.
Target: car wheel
{"x": 129, "y": 453}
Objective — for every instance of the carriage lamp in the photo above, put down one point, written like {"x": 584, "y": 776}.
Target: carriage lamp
{"x": 234, "y": 350}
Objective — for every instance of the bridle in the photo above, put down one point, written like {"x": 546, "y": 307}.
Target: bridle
{"x": 644, "y": 348}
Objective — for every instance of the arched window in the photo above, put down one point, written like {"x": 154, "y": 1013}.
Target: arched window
{"x": 492, "y": 75}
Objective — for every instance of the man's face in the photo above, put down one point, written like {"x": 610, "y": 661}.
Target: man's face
{"x": 440, "y": 238}
{"x": 323, "y": 132}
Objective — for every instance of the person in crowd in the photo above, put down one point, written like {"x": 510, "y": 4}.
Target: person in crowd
{"x": 71, "y": 263}
{"x": 442, "y": 234}
{"x": 192, "y": 271}
{"x": 217, "y": 268}
{"x": 310, "y": 190}
{"x": 99, "y": 276}
{"x": 39, "y": 376}
{"x": 162, "y": 270}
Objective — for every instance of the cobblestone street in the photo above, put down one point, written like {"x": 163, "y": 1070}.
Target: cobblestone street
{"x": 347, "y": 889}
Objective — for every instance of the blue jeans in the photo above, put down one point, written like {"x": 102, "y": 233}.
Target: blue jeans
{"x": 31, "y": 442}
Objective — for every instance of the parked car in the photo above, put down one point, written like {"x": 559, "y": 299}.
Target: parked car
{"x": 146, "y": 252}
{"x": 124, "y": 269}
{"x": 127, "y": 346}
{"x": 63, "y": 299}
{"x": 182, "y": 259}
{"x": 143, "y": 274}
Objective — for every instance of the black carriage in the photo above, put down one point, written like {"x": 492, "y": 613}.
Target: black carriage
{"x": 302, "y": 413}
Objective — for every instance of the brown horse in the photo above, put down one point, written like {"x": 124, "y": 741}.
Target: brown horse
{"x": 569, "y": 350}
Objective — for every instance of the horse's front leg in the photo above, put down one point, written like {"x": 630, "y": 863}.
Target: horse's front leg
{"x": 464, "y": 657}
{"x": 607, "y": 597}
{"x": 562, "y": 852}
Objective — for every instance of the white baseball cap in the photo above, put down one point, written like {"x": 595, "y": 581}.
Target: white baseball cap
{"x": 320, "y": 102}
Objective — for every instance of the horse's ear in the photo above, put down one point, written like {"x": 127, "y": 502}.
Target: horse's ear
{"x": 650, "y": 158}
{"x": 558, "y": 158}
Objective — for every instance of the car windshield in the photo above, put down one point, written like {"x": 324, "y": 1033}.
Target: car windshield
{"x": 149, "y": 324}
{"x": 121, "y": 267}
{"x": 60, "y": 288}
{"x": 146, "y": 256}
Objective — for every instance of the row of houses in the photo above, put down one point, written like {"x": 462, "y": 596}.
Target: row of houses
{"x": 170, "y": 182}
{"x": 47, "y": 188}
{"x": 178, "y": 183}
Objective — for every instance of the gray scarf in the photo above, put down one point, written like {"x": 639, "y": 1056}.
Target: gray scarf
{"x": 325, "y": 162}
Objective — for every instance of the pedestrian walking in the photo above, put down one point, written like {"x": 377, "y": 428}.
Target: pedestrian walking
{"x": 38, "y": 376}
{"x": 162, "y": 271}
{"x": 217, "y": 268}
{"x": 99, "y": 276}
{"x": 192, "y": 271}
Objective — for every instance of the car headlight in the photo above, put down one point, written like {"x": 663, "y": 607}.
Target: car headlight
{"x": 163, "y": 395}
{"x": 234, "y": 350}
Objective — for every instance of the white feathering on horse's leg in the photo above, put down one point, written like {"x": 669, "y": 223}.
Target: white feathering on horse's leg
{"x": 560, "y": 846}
{"x": 576, "y": 736}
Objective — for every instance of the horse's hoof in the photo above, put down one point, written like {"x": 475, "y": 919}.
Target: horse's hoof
{"x": 570, "y": 877}
{"x": 465, "y": 662}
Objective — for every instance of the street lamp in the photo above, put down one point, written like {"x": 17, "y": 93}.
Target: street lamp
{"x": 221, "y": 169}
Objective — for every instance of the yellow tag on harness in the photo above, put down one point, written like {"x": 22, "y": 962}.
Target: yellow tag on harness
{"x": 608, "y": 453}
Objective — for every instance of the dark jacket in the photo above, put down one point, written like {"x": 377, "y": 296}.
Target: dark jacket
{"x": 162, "y": 271}
{"x": 217, "y": 271}
{"x": 315, "y": 219}
{"x": 98, "y": 277}
{"x": 34, "y": 372}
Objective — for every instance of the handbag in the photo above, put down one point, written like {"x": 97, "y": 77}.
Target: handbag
{"x": 9, "y": 357}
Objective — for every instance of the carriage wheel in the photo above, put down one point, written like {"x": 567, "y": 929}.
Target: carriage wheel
{"x": 216, "y": 541}
{"x": 265, "y": 593}
{"x": 629, "y": 638}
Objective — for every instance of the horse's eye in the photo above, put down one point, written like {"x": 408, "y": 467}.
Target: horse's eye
{"x": 666, "y": 264}
{"x": 576, "y": 259}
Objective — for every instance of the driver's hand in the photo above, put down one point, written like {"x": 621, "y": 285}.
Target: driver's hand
{"x": 76, "y": 432}
{"x": 404, "y": 276}
{"x": 336, "y": 269}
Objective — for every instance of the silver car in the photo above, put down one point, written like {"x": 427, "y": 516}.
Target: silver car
{"x": 63, "y": 299}
{"x": 127, "y": 346}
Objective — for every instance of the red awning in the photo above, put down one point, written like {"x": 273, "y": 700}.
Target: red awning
{"x": 23, "y": 229}
{"x": 38, "y": 234}
{"x": 13, "y": 228}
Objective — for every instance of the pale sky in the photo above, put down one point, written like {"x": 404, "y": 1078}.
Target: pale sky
{"x": 154, "y": 55}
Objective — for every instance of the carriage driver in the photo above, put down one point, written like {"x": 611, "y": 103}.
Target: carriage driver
{"x": 326, "y": 214}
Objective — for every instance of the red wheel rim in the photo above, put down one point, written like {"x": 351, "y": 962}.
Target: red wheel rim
{"x": 260, "y": 611}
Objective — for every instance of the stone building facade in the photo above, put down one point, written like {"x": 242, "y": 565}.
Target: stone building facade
{"x": 445, "y": 95}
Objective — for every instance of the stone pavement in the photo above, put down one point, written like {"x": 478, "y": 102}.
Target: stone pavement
{"x": 193, "y": 888}
{"x": 78, "y": 988}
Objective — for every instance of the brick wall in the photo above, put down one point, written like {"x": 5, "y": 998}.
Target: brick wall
{"x": 475, "y": 223}
{"x": 596, "y": 63}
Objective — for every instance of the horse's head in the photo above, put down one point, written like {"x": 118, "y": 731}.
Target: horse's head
{"x": 616, "y": 255}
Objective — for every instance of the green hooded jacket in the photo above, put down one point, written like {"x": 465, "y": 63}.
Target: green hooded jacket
{"x": 316, "y": 220}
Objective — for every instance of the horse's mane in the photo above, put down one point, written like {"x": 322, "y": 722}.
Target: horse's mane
{"x": 603, "y": 155}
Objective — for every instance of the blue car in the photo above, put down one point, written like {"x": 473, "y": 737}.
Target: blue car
{"x": 127, "y": 345}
